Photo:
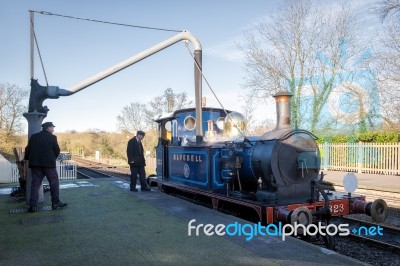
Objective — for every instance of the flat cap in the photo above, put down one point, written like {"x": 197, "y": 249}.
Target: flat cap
{"x": 140, "y": 133}
{"x": 47, "y": 124}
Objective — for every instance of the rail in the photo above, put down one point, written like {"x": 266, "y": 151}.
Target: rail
{"x": 384, "y": 238}
{"x": 151, "y": 163}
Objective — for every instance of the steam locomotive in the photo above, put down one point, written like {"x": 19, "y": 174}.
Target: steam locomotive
{"x": 270, "y": 178}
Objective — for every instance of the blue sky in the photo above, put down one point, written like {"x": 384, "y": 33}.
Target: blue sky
{"x": 73, "y": 50}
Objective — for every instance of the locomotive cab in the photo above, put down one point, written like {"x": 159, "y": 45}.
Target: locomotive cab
{"x": 180, "y": 159}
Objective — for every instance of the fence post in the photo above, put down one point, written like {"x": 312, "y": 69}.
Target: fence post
{"x": 321, "y": 154}
{"x": 360, "y": 157}
{"x": 398, "y": 158}
{"x": 325, "y": 147}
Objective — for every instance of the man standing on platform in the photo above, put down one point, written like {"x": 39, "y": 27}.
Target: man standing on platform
{"x": 137, "y": 162}
{"x": 42, "y": 152}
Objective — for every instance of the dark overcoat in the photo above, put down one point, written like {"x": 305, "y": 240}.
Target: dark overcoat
{"x": 134, "y": 152}
{"x": 42, "y": 150}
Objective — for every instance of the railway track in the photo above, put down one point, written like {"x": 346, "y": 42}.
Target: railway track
{"x": 87, "y": 167}
{"x": 381, "y": 236}
{"x": 91, "y": 173}
{"x": 382, "y": 250}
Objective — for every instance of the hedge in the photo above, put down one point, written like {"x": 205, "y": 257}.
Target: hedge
{"x": 375, "y": 137}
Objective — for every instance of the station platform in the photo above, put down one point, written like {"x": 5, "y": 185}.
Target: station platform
{"x": 106, "y": 224}
{"x": 389, "y": 183}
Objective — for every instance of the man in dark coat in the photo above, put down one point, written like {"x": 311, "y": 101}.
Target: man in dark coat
{"x": 42, "y": 152}
{"x": 136, "y": 161}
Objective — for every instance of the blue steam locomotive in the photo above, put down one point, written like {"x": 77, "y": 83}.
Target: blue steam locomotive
{"x": 271, "y": 178}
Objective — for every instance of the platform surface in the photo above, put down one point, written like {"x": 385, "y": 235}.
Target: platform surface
{"x": 106, "y": 224}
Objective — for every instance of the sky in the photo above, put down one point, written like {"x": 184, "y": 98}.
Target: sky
{"x": 73, "y": 50}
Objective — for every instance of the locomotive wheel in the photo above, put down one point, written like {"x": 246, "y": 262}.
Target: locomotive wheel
{"x": 165, "y": 189}
{"x": 148, "y": 180}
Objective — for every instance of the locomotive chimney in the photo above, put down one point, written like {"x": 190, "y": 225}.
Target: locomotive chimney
{"x": 282, "y": 100}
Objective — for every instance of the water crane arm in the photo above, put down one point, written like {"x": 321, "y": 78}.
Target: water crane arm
{"x": 185, "y": 35}
{"x": 40, "y": 93}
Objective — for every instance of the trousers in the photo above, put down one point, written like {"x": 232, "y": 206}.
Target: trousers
{"x": 38, "y": 173}
{"x": 135, "y": 171}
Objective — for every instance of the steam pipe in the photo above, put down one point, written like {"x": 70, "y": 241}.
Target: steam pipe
{"x": 32, "y": 42}
{"x": 198, "y": 95}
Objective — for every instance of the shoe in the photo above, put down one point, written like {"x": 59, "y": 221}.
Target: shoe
{"x": 146, "y": 189}
{"x": 32, "y": 208}
{"x": 58, "y": 205}
{"x": 134, "y": 190}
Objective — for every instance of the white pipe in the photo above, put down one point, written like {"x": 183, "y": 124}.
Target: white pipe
{"x": 185, "y": 35}
{"x": 55, "y": 92}
{"x": 32, "y": 46}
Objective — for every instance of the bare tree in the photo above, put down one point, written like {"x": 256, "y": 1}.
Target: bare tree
{"x": 254, "y": 126}
{"x": 132, "y": 117}
{"x": 140, "y": 116}
{"x": 386, "y": 8}
{"x": 388, "y": 61}
{"x": 11, "y": 107}
{"x": 166, "y": 103}
{"x": 306, "y": 50}
{"x": 248, "y": 108}
{"x": 169, "y": 102}
{"x": 11, "y": 110}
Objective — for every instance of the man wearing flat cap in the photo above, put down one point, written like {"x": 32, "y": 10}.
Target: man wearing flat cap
{"x": 137, "y": 162}
{"x": 42, "y": 152}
